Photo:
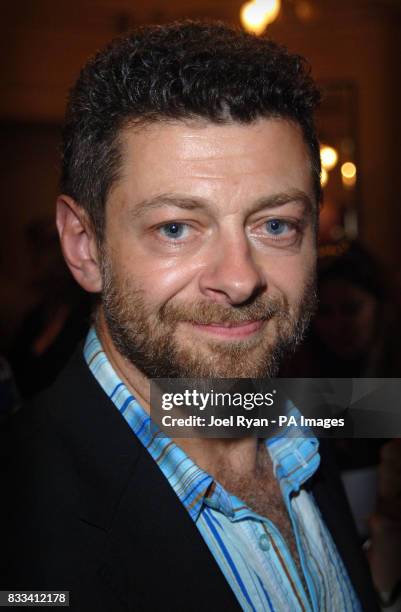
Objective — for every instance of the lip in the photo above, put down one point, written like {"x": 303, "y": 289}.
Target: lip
{"x": 231, "y": 330}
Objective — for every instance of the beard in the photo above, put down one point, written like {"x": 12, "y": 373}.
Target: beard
{"x": 153, "y": 340}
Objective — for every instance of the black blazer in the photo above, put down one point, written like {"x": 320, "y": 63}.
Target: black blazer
{"x": 87, "y": 510}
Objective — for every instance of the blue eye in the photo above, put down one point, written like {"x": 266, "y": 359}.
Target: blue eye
{"x": 276, "y": 227}
{"x": 173, "y": 230}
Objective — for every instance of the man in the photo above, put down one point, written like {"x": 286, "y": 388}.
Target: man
{"x": 190, "y": 203}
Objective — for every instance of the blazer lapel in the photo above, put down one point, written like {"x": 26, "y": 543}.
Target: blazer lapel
{"x": 163, "y": 548}
{"x": 154, "y": 554}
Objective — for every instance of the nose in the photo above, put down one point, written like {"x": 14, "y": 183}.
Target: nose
{"x": 232, "y": 275}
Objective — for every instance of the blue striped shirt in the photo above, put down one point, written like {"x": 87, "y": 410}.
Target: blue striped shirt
{"x": 248, "y": 547}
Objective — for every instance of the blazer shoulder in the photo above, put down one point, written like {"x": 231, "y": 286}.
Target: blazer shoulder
{"x": 69, "y": 448}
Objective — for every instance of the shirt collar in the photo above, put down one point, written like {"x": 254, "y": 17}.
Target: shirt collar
{"x": 295, "y": 458}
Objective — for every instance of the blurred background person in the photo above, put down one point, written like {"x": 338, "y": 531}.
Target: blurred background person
{"x": 354, "y": 333}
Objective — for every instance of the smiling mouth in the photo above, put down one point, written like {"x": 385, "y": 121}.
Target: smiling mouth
{"x": 231, "y": 329}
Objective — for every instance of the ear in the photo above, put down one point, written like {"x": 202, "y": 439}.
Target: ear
{"x": 78, "y": 243}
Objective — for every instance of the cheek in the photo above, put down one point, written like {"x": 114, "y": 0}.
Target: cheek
{"x": 160, "y": 279}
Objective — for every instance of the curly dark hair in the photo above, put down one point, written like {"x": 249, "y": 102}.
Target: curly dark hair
{"x": 179, "y": 71}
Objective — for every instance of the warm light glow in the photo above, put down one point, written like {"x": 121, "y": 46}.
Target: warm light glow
{"x": 348, "y": 175}
{"x": 348, "y": 183}
{"x": 257, "y": 14}
{"x": 271, "y": 8}
{"x": 328, "y": 156}
{"x": 348, "y": 170}
{"x": 324, "y": 177}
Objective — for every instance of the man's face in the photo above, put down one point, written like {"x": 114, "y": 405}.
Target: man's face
{"x": 209, "y": 255}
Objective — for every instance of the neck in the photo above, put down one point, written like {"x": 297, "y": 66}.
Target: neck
{"x": 135, "y": 381}
{"x": 240, "y": 456}
{"x": 210, "y": 454}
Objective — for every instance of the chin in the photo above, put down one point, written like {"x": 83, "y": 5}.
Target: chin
{"x": 233, "y": 361}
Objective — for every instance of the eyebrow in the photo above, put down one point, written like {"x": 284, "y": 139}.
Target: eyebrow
{"x": 191, "y": 203}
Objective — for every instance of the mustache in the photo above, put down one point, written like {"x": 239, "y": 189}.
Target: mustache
{"x": 205, "y": 313}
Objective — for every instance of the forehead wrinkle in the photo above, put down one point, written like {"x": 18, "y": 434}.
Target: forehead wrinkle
{"x": 222, "y": 166}
{"x": 222, "y": 177}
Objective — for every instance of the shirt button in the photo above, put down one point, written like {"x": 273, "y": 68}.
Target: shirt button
{"x": 264, "y": 543}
